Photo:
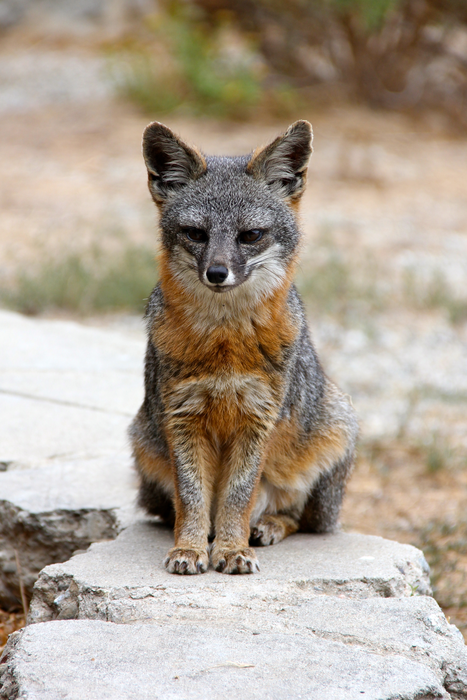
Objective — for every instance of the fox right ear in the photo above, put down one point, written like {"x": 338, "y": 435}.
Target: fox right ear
{"x": 171, "y": 163}
{"x": 283, "y": 164}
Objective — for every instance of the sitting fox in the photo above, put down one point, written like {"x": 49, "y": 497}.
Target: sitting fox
{"x": 241, "y": 438}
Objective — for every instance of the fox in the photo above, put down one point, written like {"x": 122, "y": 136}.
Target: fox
{"x": 241, "y": 439}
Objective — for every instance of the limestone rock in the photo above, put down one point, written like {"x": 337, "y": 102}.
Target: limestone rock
{"x": 329, "y": 616}
{"x": 65, "y": 389}
{"x": 86, "y": 659}
{"x": 337, "y": 617}
{"x": 124, "y": 580}
{"x": 48, "y": 513}
{"x": 67, "y": 395}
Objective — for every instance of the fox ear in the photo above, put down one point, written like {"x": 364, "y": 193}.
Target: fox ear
{"x": 171, "y": 163}
{"x": 283, "y": 164}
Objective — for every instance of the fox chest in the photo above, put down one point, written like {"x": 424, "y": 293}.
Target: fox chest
{"x": 223, "y": 378}
{"x": 222, "y": 402}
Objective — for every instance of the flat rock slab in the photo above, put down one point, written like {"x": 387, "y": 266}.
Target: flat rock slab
{"x": 125, "y": 581}
{"x": 328, "y": 616}
{"x": 85, "y": 660}
{"x": 67, "y": 395}
{"x": 33, "y": 430}
{"x": 65, "y": 388}
{"x": 49, "y": 512}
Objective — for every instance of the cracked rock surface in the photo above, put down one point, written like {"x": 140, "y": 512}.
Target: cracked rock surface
{"x": 329, "y": 616}
{"x": 67, "y": 393}
{"x": 144, "y": 662}
{"x": 125, "y": 580}
{"x": 48, "y": 513}
{"x": 333, "y": 617}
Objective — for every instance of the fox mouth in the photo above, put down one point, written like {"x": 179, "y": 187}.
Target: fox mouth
{"x": 220, "y": 289}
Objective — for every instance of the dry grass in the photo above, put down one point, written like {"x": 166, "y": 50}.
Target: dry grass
{"x": 84, "y": 283}
{"x": 435, "y": 293}
{"x": 9, "y": 622}
{"x": 331, "y": 285}
{"x": 347, "y": 284}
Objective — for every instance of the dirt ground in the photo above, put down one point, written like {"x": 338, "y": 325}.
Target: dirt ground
{"x": 383, "y": 273}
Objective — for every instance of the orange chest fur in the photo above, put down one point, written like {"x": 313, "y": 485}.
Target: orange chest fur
{"x": 226, "y": 375}
{"x": 224, "y": 349}
{"x": 255, "y": 343}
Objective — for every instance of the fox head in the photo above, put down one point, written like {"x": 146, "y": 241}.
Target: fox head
{"x": 228, "y": 224}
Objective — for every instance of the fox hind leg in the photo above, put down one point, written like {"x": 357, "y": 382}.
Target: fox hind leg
{"x": 271, "y": 529}
{"x": 155, "y": 501}
{"x": 322, "y": 508}
{"x": 320, "y": 513}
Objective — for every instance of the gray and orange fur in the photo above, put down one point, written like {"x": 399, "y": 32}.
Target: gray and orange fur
{"x": 241, "y": 439}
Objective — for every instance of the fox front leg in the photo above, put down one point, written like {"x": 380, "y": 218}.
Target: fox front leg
{"x": 230, "y": 551}
{"x": 193, "y": 493}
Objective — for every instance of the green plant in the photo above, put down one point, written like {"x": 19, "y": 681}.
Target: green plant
{"x": 219, "y": 86}
{"x": 438, "y": 455}
{"x": 383, "y": 52}
{"x": 84, "y": 283}
{"x": 141, "y": 83}
{"x": 370, "y": 13}
{"x": 199, "y": 74}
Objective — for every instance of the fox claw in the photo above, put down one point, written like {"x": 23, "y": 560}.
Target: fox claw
{"x": 186, "y": 561}
{"x": 241, "y": 561}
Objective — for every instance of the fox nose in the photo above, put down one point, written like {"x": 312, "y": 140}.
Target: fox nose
{"x": 217, "y": 274}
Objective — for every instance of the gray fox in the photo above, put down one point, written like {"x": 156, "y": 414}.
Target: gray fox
{"x": 241, "y": 439}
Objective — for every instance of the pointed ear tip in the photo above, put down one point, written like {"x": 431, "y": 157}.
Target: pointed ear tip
{"x": 156, "y": 127}
{"x": 302, "y": 125}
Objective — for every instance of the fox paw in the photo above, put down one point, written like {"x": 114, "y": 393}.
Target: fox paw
{"x": 269, "y": 530}
{"x": 186, "y": 561}
{"x": 235, "y": 561}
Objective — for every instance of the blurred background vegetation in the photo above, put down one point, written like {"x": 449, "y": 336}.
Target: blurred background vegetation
{"x": 243, "y": 58}
{"x": 259, "y": 61}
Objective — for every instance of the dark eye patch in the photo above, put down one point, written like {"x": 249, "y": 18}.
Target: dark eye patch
{"x": 197, "y": 235}
{"x": 252, "y": 236}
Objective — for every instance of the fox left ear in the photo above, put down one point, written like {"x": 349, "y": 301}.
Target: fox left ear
{"x": 171, "y": 163}
{"x": 283, "y": 164}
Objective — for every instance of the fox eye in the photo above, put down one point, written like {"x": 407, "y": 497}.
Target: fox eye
{"x": 250, "y": 236}
{"x": 197, "y": 235}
